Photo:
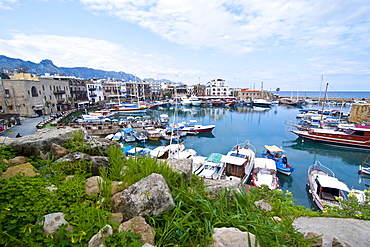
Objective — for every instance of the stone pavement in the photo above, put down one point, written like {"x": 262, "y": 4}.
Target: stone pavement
{"x": 27, "y": 127}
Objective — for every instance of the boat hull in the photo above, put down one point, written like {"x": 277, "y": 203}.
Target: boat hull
{"x": 333, "y": 140}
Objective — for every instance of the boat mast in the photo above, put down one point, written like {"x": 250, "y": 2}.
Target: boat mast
{"x": 323, "y": 104}
{"x": 322, "y": 77}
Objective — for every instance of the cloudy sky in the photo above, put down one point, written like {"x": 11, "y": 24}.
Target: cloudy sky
{"x": 290, "y": 44}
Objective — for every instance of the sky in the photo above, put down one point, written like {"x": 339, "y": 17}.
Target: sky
{"x": 294, "y": 45}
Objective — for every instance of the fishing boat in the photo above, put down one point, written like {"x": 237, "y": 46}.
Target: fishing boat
{"x": 277, "y": 154}
{"x": 363, "y": 170}
{"x": 324, "y": 187}
{"x": 213, "y": 166}
{"x": 153, "y": 133}
{"x": 264, "y": 173}
{"x": 140, "y": 136}
{"x": 239, "y": 161}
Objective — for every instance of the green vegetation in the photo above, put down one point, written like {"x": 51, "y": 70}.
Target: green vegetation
{"x": 24, "y": 200}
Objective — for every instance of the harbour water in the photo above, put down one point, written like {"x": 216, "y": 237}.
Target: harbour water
{"x": 320, "y": 94}
{"x": 267, "y": 126}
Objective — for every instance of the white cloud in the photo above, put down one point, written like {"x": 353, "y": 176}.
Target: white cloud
{"x": 240, "y": 25}
{"x": 86, "y": 52}
{"x": 8, "y": 4}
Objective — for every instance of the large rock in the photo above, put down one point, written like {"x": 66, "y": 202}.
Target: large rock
{"x": 25, "y": 169}
{"x": 97, "y": 162}
{"x": 18, "y": 160}
{"x": 98, "y": 146}
{"x": 40, "y": 143}
{"x": 232, "y": 237}
{"x": 98, "y": 239}
{"x": 139, "y": 225}
{"x": 148, "y": 197}
{"x": 354, "y": 233}
{"x": 92, "y": 185}
{"x": 52, "y": 222}
{"x": 58, "y": 151}
{"x": 182, "y": 165}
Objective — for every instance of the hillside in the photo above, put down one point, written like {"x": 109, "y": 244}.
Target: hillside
{"x": 47, "y": 66}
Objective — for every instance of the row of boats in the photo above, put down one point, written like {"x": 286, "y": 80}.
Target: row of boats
{"x": 241, "y": 163}
{"x": 169, "y": 132}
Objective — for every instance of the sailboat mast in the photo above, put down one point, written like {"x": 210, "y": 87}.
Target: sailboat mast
{"x": 323, "y": 104}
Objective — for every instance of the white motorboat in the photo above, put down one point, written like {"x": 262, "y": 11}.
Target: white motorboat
{"x": 264, "y": 173}
{"x": 213, "y": 167}
{"x": 167, "y": 152}
{"x": 195, "y": 101}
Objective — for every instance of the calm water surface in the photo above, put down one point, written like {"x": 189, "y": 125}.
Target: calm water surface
{"x": 267, "y": 126}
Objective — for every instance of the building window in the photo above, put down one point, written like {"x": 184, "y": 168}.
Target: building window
{"x": 34, "y": 92}
{"x": 43, "y": 88}
{"x": 7, "y": 91}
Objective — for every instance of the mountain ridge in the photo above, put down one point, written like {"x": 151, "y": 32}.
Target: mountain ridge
{"x": 47, "y": 66}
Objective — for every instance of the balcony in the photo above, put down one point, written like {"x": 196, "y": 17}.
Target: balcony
{"x": 93, "y": 95}
{"x": 59, "y": 92}
{"x": 92, "y": 89}
{"x": 60, "y": 100}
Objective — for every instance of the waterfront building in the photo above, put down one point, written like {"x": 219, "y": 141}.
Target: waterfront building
{"x": 246, "y": 93}
{"x": 95, "y": 91}
{"x": 217, "y": 87}
{"x": 29, "y": 95}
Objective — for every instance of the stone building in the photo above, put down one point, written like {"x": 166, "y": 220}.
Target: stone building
{"x": 30, "y": 95}
{"x": 246, "y": 93}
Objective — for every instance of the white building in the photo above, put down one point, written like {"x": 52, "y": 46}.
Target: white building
{"x": 217, "y": 87}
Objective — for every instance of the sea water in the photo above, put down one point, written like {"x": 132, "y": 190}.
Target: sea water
{"x": 321, "y": 94}
{"x": 267, "y": 126}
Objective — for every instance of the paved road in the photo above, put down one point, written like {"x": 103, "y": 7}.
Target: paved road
{"x": 27, "y": 127}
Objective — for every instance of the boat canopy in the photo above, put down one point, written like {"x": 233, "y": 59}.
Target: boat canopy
{"x": 233, "y": 160}
{"x": 331, "y": 182}
{"x": 274, "y": 149}
{"x": 264, "y": 163}
{"x": 214, "y": 157}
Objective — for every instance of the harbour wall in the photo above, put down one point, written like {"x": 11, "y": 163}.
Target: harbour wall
{"x": 360, "y": 114}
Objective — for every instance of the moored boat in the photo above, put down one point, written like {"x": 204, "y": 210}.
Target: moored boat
{"x": 264, "y": 173}
{"x": 363, "y": 170}
{"x": 324, "y": 187}
{"x": 277, "y": 154}
{"x": 213, "y": 167}
{"x": 355, "y": 137}
{"x": 239, "y": 161}
{"x": 261, "y": 103}
{"x": 192, "y": 126}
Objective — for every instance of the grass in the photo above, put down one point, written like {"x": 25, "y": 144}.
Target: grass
{"x": 197, "y": 211}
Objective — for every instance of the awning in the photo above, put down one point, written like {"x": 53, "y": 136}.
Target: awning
{"x": 38, "y": 106}
{"x": 331, "y": 182}
{"x": 274, "y": 149}
{"x": 233, "y": 160}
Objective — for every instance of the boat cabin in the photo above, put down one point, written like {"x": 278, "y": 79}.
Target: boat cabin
{"x": 328, "y": 188}
{"x": 235, "y": 164}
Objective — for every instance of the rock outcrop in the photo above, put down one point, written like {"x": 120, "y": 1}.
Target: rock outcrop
{"x": 148, "y": 197}
{"x": 352, "y": 232}
{"x": 40, "y": 143}
{"x": 96, "y": 162}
